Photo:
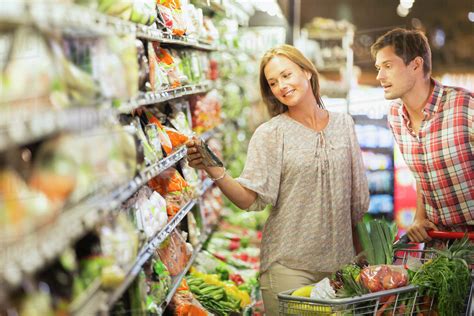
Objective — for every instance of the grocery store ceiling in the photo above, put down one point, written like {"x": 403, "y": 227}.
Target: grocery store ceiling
{"x": 450, "y": 35}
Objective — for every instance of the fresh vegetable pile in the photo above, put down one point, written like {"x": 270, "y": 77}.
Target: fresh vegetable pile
{"x": 447, "y": 277}
{"x": 221, "y": 298}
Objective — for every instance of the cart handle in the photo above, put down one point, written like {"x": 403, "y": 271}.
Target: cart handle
{"x": 449, "y": 235}
{"x": 437, "y": 234}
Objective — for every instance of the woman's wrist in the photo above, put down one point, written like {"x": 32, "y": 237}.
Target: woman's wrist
{"x": 216, "y": 173}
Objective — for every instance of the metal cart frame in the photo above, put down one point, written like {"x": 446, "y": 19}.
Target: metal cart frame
{"x": 400, "y": 301}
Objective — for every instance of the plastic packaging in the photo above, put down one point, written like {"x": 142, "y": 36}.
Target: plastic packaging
{"x": 323, "y": 290}
{"x": 383, "y": 277}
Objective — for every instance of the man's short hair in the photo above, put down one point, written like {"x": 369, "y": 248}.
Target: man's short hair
{"x": 407, "y": 44}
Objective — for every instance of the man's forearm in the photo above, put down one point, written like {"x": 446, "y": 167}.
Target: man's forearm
{"x": 420, "y": 213}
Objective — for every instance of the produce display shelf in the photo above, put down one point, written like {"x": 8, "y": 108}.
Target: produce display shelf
{"x": 148, "y": 251}
{"x": 177, "y": 280}
{"x": 149, "y": 33}
{"x": 149, "y": 98}
{"x": 78, "y": 20}
{"x": 97, "y": 300}
{"x": 52, "y": 16}
{"x": 23, "y": 127}
{"x": 33, "y": 251}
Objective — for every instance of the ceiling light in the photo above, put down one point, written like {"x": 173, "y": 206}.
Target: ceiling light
{"x": 402, "y": 11}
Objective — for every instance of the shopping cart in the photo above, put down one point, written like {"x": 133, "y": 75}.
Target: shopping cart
{"x": 400, "y": 301}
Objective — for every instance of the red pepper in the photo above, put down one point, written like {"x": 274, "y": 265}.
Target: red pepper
{"x": 236, "y": 278}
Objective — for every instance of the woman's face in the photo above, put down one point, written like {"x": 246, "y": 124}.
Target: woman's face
{"x": 287, "y": 81}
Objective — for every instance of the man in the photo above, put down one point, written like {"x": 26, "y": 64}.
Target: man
{"x": 433, "y": 126}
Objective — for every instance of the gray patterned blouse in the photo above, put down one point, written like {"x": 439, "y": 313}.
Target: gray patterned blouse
{"x": 316, "y": 184}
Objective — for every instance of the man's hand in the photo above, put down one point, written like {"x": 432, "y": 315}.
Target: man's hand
{"x": 417, "y": 232}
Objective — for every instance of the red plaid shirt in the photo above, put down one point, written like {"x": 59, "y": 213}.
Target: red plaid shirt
{"x": 441, "y": 155}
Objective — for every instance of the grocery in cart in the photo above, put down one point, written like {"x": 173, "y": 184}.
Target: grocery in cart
{"x": 416, "y": 282}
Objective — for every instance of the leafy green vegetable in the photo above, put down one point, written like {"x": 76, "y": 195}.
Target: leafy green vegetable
{"x": 447, "y": 277}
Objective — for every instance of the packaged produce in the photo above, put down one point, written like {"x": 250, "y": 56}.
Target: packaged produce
{"x": 383, "y": 277}
{"x": 171, "y": 17}
{"x": 193, "y": 230}
{"x": 119, "y": 241}
{"x": 179, "y": 121}
{"x": 153, "y": 136}
{"x": 165, "y": 18}
{"x": 163, "y": 136}
{"x": 174, "y": 253}
{"x": 143, "y": 12}
{"x": 169, "y": 64}
{"x": 122, "y": 9}
{"x": 71, "y": 167}
{"x": 113, "y": 65}
{"x": 182, "y": 70}
{"x": 209, "y": 32}
{"x": 190, "y": 175}
{"x": 150, "y": 155}
{"x": 74, "y": 57}
{"x": 149, "y": 211}
{"x": 28, "y": 58}
{"x": 193, "y": 19}
{"x": 143, "y": 65}
{"x": 22, "y": 208}
{"x": 171, "y": 185}
{"x": 177, "y": 139}
{"x": 158, "y": 282}
{"x": 158, "y": 76}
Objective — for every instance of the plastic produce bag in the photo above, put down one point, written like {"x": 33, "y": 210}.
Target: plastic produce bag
{"x": 143, "y": 65}
{"x": 143, "y": 12}
{"x": 121, "y": 9}
{"x": 323, "y": 290}
{"x": 162, "y": 135}
{"x": 383, "y": 277}
{"x": 158, "y": 76}
{"x": 158, "y": 280}
{"x": 171, "y": 185}
{"x": 115, "y": 66}
{"x": 27, "y": 61}
{"x": 174, "y": 253}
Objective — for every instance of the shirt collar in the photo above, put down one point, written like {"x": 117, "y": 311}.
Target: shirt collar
{"x": 434, "y": 101}
{"x": 433, "y": 104}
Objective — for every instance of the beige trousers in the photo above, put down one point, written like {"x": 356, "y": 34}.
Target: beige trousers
{"x": 279, "y": 278}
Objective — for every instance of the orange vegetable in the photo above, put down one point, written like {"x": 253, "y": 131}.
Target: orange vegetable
{"x": 177, "y": 139}
{"x": 183, "y": 286}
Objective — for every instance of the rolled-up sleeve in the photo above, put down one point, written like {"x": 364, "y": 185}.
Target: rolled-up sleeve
{"x": 263, "y": 166}
{"x": 360, "y": 188}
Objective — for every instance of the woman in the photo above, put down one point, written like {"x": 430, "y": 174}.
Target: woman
{"x": 307, "y": 164}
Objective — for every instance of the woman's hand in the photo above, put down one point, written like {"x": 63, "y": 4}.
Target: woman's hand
{"x": 195, "y": 159}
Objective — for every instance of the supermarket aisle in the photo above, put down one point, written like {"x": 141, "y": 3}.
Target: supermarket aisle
{"x": 99, "y": 212}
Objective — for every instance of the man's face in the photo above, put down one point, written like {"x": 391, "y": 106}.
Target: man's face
{"x": 396, "y": 78}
